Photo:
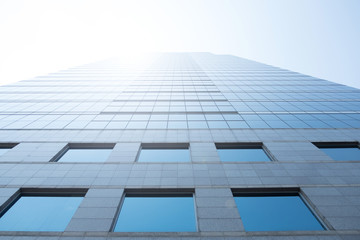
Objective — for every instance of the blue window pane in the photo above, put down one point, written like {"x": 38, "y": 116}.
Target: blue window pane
{"x": 337, "y": 124}
{"x": 164, "y": 155}
{"x": 159, "y": 117}
{"x": 116, "y": 125}
{"x": 177, "y": 124}
{"x": 195, "y": 117}
{"x": 137, "y": 125}
{"x": 157, "y": 125}
{"x": 317, "y": 124}
{"x": 276, "y": 213}
{"x": 243, "y": 155}
{"x": 4, "y": 150}
{"x": 156, "y": 214}
{"x": 257, "y": 124}
{"x": 297, "y": 124}
{"x": 251, "y": 117}
{"x": 237, "y": 124}
{"x": 214, "y": 117}
{"x": 277, "y": 124}
{"x": 217, "y": 124}
{"x": 40, "y": 214}
{"x": 355, "y": 123}
{"x": 232, "y": 117}
{"x": 197, "y": 124}
{"x": 86, "y": 155}
{"x": 343, "y": 154}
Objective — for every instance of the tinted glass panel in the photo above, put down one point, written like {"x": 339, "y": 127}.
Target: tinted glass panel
{"x": 243, "y": 155}
{"x": 85, "y": 155}
{"x": 40, "y": 214}
{"x": 157, "y": 214}
{"x": 164, "y": 155}
{"x": 276, "y": 213}
{"x": 343, "y": 154}
{"x": 4, "y": 150}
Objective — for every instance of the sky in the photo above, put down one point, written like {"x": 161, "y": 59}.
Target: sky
{"x": 320, "y": 38}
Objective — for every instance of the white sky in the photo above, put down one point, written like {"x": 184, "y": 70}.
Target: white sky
{"x": 320, "y": 38}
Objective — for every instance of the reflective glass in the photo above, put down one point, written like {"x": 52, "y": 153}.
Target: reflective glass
{"x": 85, "y": 155}
{"x": 157, "y": 214}
{"x": 40, "y": 214}
{"x": 157, "y": 124}
{"x": 137, "y": 125}
{"x": 343, "y": 154}
{"x": 243, "y": 155}
{"x": 197, "y": 124}
{"x": 237, "y": 124}
{"x": 116, "y": 125}
{"x": 177, "y": 124}
{"x": 4, "y": 150}
{"x": 217, "y": 124}
{"x": 164, "y": 155}
{"x": 257, "y": 124}
{"x": 276, "y": 213}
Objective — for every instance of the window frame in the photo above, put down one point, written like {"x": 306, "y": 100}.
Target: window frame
{"x": 289, "y": 191}
{"x": 336, "y": 144}
{"x": 41, "y": 192}
{"x": 162, "y": 192}
{"x": 246, "y": 145}
{"x": 160, "y": 146}
{"x": 351, "y": 144}
{"x": 84, "y": 146}
{"x": 7, "y": 145}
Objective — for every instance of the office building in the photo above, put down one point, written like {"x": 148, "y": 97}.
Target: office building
{"x": 179, "y": 145}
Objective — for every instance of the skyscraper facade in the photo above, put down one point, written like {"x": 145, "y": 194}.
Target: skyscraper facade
{"x": 179, "y": 145}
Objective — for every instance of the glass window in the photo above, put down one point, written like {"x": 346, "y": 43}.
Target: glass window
{"x": 85, "y": 155}
{"x": 40, "y": 213}
{"x": 177, "y": 124}
{"x": 137, "y": 125}
{"x": 116, "y": 125}
{"x": 159, "y": 117}
{"x": 341, "y": 151}
{"x": 241, "y": 153}
{"x": 168, "y": 153}
{"x": 217, "y": 124}
{"x": 195, "y": 117}
{"x": 157, "y": 125}
{"x": 275, "y": 212}
{"x": 157, "y": 213}
{"x": 237, "y": 124}
{"x": 4, "y": 147}
{"x": 177, "y": 117}
{"x": 257, "y": 124}
{"x": 197, "y": 124}
{"x": 232, "y": 117}
{"x": 3, "y": 150}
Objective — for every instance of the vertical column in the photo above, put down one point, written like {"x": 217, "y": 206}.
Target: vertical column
{"x": 217, "y": 211}
{"x": 96, "y": 211}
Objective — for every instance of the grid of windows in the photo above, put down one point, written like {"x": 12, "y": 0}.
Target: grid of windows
{"x": 207, "y": 98}
{"x": 260, "y": 96}
{"x": 181, "y": 120}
